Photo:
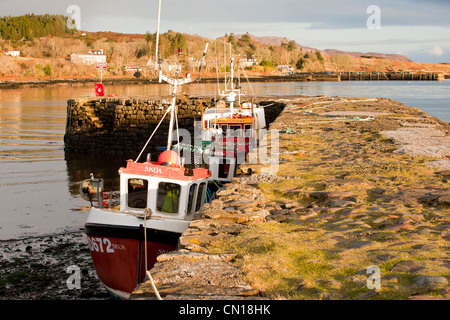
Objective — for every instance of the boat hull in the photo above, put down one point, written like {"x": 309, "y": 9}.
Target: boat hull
{"x": 121, "y": 253}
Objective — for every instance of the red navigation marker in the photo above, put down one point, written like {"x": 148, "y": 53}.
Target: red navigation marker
{"x": 99, "y": 90}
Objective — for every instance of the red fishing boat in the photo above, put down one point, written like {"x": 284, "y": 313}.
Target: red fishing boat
{"x": 234, "y": 127}
{"x": 157, "y": 202}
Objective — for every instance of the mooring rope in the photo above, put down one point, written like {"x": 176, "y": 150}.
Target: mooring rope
{"x": 146, "y": 267}
{"x": 167, "y": 111}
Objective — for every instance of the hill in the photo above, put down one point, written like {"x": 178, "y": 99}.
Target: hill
{"x": 47, "y": 56}
{"x": 395, "y": 57}
{"x": 278, "y": 41}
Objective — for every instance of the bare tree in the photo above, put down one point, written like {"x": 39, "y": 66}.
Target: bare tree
{"x": 341, "y": 62}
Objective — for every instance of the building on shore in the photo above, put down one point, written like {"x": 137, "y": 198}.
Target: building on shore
{"x": 285, "y": 69}
{"x": 94, "y": 56}
{"x": 12, "y": 53}
{"x": 247, "y": 62}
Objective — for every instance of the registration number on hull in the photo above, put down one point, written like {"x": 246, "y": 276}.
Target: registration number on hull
{"x": 103, "y": 245}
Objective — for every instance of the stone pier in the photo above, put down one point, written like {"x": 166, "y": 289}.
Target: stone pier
{"x": 346, "y": 196}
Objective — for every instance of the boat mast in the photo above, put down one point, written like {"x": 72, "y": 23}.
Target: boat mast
{"x": 157, "y": 36}
{"x": 175, "y": 83}
{"x": 231, "y": 96}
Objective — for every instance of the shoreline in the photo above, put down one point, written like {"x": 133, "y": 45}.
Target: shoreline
{"x": 36, "y": 268}
{"x": 302, "y": 77}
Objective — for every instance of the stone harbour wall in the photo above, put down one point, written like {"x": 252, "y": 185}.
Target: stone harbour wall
{"x": 122, "y": 125}
{"x": 117, "y": 125}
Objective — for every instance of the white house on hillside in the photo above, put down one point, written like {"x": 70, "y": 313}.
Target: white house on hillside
{"x": 94, "y": 56}
{"x": 248, "y": 62}
{"x": 14, "y": 54}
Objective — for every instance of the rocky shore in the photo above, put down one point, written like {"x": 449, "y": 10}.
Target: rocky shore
{"x": 339, "y": 194}
{"x": 39, "y": 268}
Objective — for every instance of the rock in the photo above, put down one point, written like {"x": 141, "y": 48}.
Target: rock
{"x": 426, "y": 247}
{"x": 360, "y": 244}
{"x": 340, "y": 203}
{"x": 385, "y": 257}
{"x": 431, "y": 200}
{"x": 367, "y": 295}
{"x": 409, "y": 266}
{"x": 430, "y": 281}
{"x": 291, "y": 205}
{"x": 195, "y": 275}
{"x": 375, "y": 192}
{"x": 319, "y": 196}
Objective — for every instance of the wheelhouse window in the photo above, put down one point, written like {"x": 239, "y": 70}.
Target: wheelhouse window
{"x": 224, "y": 169}
{"x": 224, "y": 129}
{"x": 235, "y": 131}
{"x": 192, "y": 193}
{"x": 201, "y": 191}
{"x": 247, "y": 132}
{"x": 137, "y": 193}
{"x": 168, "y": 197}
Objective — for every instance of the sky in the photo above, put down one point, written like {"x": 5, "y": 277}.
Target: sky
{"x": 416, "y": 28}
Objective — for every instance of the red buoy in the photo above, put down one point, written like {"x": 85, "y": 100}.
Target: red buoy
{"x": 99, "y": 90}
{"x": 169, "y": 158}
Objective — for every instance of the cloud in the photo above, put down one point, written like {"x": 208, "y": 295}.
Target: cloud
{"x": 437, "y": 54}
{"x": 319, "y": 14}
{"x": 436, "y": 51}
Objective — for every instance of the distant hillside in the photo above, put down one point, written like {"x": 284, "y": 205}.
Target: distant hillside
{"x": 46, "y": 49}
{"x": 395, "y": 57}
{"x": 278, "y": 41}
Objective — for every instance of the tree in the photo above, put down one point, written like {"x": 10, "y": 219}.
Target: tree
{"x": 148, "y": 37}
{"x": 300, "y": 64}
{"x": 292, "y": 45}
{"x": 266, "y": 63}
{"x": 30, "y": 26}
{"x": 47, "y": 70}
{"x": 246, "y": 38}
{"x": 231, "y": 38}
{"x": 319, "y": 56}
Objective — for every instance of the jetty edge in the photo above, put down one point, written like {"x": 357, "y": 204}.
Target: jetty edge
{"x": 361, "y": 185}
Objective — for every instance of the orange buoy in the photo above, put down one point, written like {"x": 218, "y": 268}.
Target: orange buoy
{"x": 169, "y": 158}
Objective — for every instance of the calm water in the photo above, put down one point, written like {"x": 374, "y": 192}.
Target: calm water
{"x": 39, "y": 186}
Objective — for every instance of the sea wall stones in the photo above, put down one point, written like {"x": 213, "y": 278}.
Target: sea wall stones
{"x": 122, "y": 125}
{"x": 192, "y": 272}
{"x": 117, "y": 125}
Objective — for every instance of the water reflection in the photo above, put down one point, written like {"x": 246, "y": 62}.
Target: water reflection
{"x": 106, "y": 167}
